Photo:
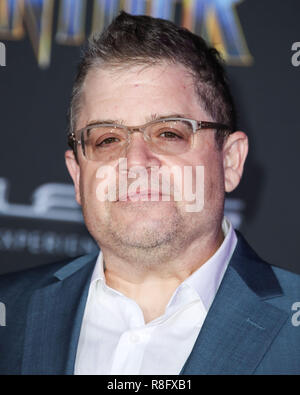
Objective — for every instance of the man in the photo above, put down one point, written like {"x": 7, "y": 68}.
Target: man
{"x": 174, "y": 290}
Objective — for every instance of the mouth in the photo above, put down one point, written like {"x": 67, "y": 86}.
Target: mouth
{"x": 143, "y": 196}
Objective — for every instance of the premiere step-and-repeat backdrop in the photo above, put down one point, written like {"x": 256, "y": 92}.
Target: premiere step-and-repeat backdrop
{"x": 40, "y": 221}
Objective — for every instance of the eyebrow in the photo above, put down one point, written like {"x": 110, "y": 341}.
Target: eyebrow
{"x": 153, "y": 117}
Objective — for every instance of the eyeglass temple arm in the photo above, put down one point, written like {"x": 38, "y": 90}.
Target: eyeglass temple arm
{"x": 72, "y": 140}
{"x": 212, "y": 125}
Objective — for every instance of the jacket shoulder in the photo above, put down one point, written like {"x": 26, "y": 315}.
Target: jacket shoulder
{"x": 289, "y": 281}
{"x": 16, "y": 291}
{"x": 264, "y": 278}
{"x": 26, "y": 281}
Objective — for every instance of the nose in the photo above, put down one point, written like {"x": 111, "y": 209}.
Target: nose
{"x": 138, "y": 152}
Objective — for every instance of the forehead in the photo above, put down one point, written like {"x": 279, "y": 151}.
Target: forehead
{"x": 133, "y": 94}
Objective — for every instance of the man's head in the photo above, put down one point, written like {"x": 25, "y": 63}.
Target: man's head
{"x": 139, "y": 69}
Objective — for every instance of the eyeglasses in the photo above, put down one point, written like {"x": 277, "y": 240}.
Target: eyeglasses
{"x": 168, "y": 136}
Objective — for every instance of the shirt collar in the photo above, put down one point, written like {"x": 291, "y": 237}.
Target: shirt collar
{"x": 207, "y": 279}
{"x": 98, "y": 273}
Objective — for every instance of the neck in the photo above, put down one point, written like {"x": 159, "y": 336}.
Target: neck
{"x": 151, "y": 285}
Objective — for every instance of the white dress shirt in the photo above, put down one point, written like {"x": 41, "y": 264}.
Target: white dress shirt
{"x": 114, "y": 338}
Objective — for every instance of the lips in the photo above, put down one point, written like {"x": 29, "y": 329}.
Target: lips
{"x": 147, "y": 195}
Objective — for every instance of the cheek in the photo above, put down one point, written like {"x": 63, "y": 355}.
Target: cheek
{"x": 95, "y": 211}
{"x": 88, "y": 185}
{"x": 214, "y": 181}
{"x": 212, "y": 161}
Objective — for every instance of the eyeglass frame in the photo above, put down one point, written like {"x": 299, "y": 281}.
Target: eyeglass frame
{"x": 197, "y": 125}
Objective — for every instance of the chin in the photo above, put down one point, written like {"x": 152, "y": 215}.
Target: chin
{"x": 147, "y": 231}
{"x": 145, "y": 239}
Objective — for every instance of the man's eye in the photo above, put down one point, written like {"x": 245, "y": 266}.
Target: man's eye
{"x": 107, "y": 141}
{"x": 170, "y": 135}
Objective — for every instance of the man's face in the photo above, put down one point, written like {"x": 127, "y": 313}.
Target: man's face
{"x": 133, "y": 96}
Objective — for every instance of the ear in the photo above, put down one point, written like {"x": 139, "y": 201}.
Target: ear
{"x": 235, "y": 152}
{"x": 74, "y": 171}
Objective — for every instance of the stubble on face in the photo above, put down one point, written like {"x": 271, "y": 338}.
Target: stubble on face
{"x": 141, "y": 232}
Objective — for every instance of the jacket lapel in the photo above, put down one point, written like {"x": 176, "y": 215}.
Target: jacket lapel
{"x": 241, "y": 324}
{"x": 54, "y": 320}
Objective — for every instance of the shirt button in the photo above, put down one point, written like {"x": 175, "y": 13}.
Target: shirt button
{"x": 134, "y": 338}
